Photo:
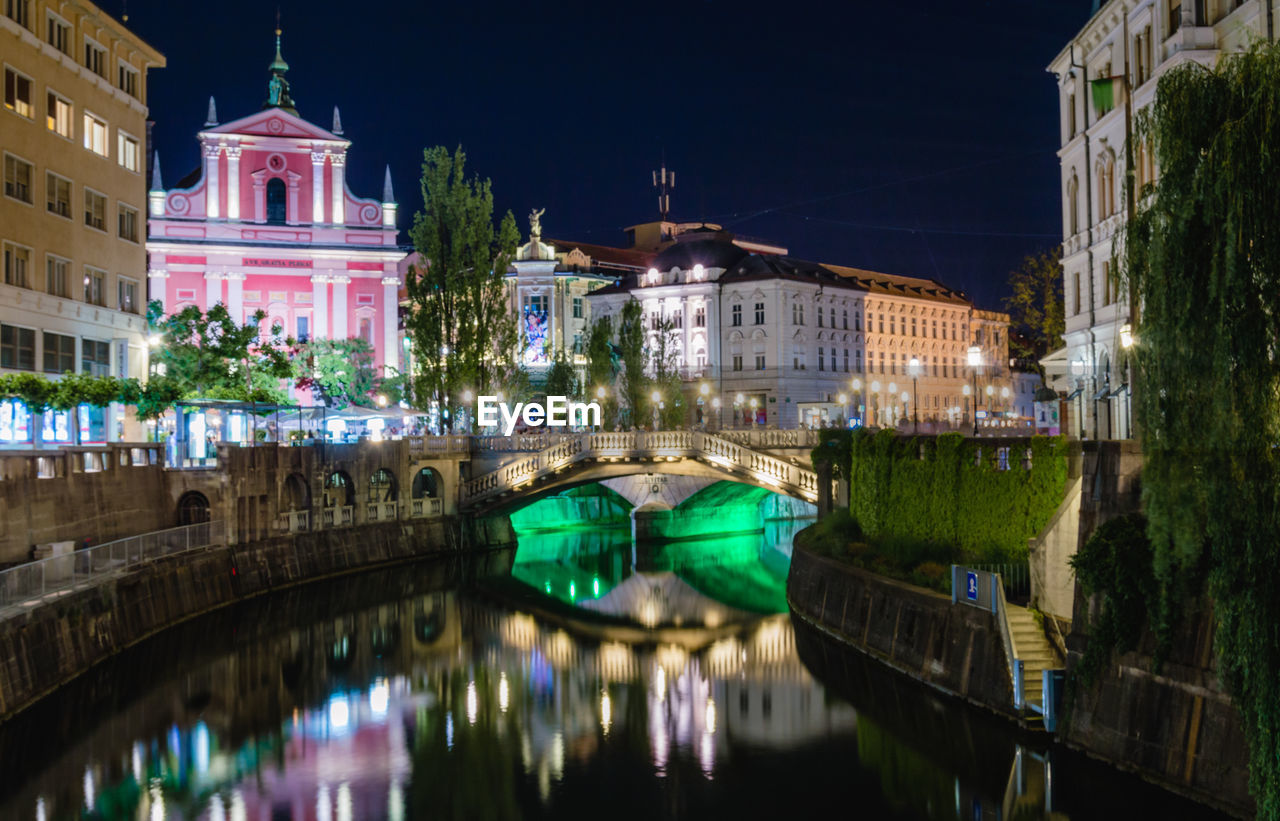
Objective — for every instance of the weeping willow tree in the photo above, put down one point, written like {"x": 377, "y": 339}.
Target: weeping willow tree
{"x": 1203, "y": 260}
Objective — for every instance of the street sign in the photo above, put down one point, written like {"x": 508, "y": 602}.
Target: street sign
{"x": 971, "y": 586}
{"x": 974, "y": 588}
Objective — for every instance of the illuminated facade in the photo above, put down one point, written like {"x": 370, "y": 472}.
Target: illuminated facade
{"x": 268, "y": 223}
{"x": 73, "y": 142}
{"x": 1106, "y": 74}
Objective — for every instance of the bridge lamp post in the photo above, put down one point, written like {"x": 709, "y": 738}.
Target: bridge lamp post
{"x": 718, "y": 406}
{"x": 844, "y": 408}
{"x": 975, "y": 364}
{"x": 656, "y": 398}
{"x": 913, "y": 367}
{"x": 875, "y": 391}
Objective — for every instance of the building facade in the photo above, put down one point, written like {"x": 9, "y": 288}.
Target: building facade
{"x": 267, "y": 222}
{"x": 782, "y": 342}
{"x": 73, "y": 138}
{"x": 1105, "y": 76}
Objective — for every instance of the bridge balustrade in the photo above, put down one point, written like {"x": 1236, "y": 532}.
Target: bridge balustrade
{"x": 382, "y": 511}
{"x": 295, "y": 521}
{"x": 337, "y": 516}
{"x": 420, "y": 508}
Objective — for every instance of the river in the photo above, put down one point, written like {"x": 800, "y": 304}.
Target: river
{"x": 581, "y": 675}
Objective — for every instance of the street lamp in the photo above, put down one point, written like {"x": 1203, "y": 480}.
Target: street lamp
{"x": 467, "y": 396}
{"x": 755, "y": 403}
{"x": 738, "y": 402}
{"x": 1004, "y": 398}
{"x": 655, "y": 397}
{"x": 856, "y": 384}
{"x": 913, "y": 368}
{"x": 975, "y": 365}
{"x": 1127, "y": 341}
{"x": 844, "y": 408}
{"x": 719, "y": 409}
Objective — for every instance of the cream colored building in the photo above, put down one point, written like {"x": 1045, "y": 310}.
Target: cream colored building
{"x": 1106, "y": 75}
{"x": 72, "y": 214}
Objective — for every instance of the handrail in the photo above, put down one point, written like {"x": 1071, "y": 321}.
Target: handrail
{"x": 35, "y": 580}
{"x": 1010, "y": 654}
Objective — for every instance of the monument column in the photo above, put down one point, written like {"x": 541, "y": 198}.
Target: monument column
{"x": 233, "y": 182}
{"x": 212, "y": 188}
{"x": 235, "y": 295}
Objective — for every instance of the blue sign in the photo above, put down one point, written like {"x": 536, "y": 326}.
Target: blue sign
{"x": 853, "y": 423}
{"x": 971, "y": 585}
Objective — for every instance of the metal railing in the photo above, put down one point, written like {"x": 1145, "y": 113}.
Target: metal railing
{"x": 1015, "y": 577}
{"x": 31, "y": 582}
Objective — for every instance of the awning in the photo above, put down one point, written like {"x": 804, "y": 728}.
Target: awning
{"x": 1122, "y": 389}
{"x": 1075, "y": 394}
{"x": 1102, "y": 394}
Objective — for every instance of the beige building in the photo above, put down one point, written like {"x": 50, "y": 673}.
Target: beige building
{"x": 73, "y": 210}
{"x": 1106, "y": 74}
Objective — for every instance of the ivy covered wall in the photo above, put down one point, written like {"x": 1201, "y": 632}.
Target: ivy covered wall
{"x": 954, "y": 491}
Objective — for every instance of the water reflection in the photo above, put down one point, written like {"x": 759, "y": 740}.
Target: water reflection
{"x": 653, "y": 681}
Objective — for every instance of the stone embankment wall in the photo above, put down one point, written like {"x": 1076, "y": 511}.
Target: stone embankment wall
{"x": 75, "y": 494}
{"x": 953, "y": 648}
{"x": 1176, "y": 727}
{"x": 54, "y": 642}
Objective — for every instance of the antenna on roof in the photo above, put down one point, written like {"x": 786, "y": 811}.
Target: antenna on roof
{"x": 664, "y": 181}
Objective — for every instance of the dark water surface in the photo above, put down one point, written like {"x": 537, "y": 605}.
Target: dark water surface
{"x": 583, "y": 676}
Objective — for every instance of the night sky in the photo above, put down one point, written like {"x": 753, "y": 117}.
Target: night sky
{"x": 915, "y": 138}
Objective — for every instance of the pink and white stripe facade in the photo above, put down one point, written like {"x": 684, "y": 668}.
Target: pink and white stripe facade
{"x": 271, "y": 225}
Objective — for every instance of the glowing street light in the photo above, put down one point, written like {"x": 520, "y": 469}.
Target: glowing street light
{"x": 856, "y": 384}
{"x": 974, "y": 359}
{"x": 913, "y": 368}
{"x": 1126, "y": 336}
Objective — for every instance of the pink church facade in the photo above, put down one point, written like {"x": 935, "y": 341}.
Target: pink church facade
{"x": 269, "y": 224}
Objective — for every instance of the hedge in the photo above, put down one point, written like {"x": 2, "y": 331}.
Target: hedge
{"x": 949, "y": 490}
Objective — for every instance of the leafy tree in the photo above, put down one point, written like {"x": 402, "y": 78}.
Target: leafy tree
{"x": 631, "y": 352}
{"x": 1203, "y": 260}
{"x": 341, "y": 371}
{"x": 465, "y": 335}
{"x": 664, "y": 363}
{"x": 1035, "y": 305}
{"x": 602, "y": 369}
{"x": 562, "y": 379}
{"x": 210, "y": 356}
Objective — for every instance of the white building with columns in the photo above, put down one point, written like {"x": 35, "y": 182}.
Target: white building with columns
{"x": 268, "y": 223}
{"x": 1106, "y": 75}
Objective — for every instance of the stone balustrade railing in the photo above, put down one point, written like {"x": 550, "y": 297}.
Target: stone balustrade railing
{"x": 735, "y": 458}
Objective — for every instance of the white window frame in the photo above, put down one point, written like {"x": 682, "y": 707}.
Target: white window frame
{"x": 106, "y": 201}
{"x": 122, "y": 207}
{"x": 89, "y": 271}
{"x": 48, "y": 258}
{"x": 71, "y": 194}
{"x": 54, "y": 20}
{"x": 106, "y": 55}
{"x": 87, "y": 141}
{"x": 31, "y": 103}
{"x": 30, "y": 254}
{"x": 4, "y": 157}
{"x": 128, "y": 68}
{"x": 121, "y": 282}
{"x": 70, "y": 136}
{"x": 122, "y": 137}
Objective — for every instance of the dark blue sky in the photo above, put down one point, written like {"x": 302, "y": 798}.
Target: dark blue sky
{"x": 913, "y": 138}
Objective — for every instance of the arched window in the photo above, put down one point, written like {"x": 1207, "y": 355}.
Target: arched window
{"x": 382, "y": 486}
{"x": 366, "y": 329}
{"x": 426, "y": 484}
{"x": 1073, "y": 205}
{"x": 276, "y": 201}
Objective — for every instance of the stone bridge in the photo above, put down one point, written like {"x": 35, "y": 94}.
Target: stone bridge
{"x": 575, "y": 459}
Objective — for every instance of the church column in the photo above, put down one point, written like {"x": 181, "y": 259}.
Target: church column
{"x": 341, "y": 284}
{"x": 235, "y": 295}
{"x": 339, "y": 216}
{"x": 157, "y": 287}
{"x": 212, "y": 289}
{"x": 390, "y": 322}
{"x": 233, "y": 182}
{"x": 317, "y": 187}
{"x": 320, "y": 305}
{"x": 212, "y": 188}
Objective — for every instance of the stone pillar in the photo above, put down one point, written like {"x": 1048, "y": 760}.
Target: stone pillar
{"x": 339, "y": 192}
{"x": 157, "y": 287}
{"x": 233, "y": 182}
{"x": 390, "y": 322}
{"x": 320, "y": 305}
{"x": 317, "y": 186}
{"x": 212, "y": 289}
{"x": 212, "y": 187}
{"x": 235, "y": 295}
{"x": 341, "y": 284}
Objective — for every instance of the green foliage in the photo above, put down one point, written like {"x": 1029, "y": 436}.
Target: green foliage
{"x": 602, "y": 369}
{"x": 1035, "y": 303}
{"x": 1203, "y": 262}
{"x": 661, "y": 353}
{"x": 341, "y": 371}
{"x": 465, "y": 335}
{"x": 1116, "y": 562}
{"x": 210, "y": 356}
{"x": 562, "y": 379}
{"x": 40, "y": 393}
{"x": 835, "y": 445}
{"x": 948, "y": 491}
{"x": 838, "y": 536}
{"x": 631, "y": 351}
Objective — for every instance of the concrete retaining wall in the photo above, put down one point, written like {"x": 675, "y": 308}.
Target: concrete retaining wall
{"x": 55, "y": 642}
{"x": 954, "y": 648}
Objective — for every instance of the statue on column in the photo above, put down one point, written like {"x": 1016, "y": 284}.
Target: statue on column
{"x": 535, "y": 223}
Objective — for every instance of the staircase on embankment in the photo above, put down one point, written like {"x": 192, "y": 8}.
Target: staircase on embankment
{"x": 1033, "y": 650}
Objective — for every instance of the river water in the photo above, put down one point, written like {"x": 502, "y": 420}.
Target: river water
{"x": 581, "y": 675}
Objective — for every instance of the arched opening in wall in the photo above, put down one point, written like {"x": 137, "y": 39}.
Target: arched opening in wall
{"x": 297, "y": 494}
{"x": 427, "y": 484}
{"x": 384, "y": 636}
{"x": 382, "y": 486}
{"x": 429, "y": 618}
{"x": 342, "y": 651}
{"x": 193, "y": 508}
{"x": 366, "y": 329}
{"x": 339, "y": 490}
{"x": 276, "y": 201}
